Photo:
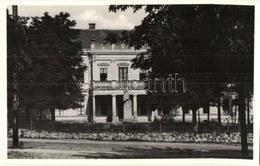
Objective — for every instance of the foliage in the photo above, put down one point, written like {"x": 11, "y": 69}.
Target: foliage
{"x": 18, "y": 52}
{"x": 51, "y": 82}
{"x": 203, "y": 43}
{"x": 210, "y": 45}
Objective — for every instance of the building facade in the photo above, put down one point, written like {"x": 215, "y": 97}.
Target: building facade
{"x": 117, "y": 88}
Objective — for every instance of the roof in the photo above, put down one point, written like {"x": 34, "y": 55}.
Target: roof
{"x": 99, "y": 35}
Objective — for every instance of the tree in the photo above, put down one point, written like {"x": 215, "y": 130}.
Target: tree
{"x": 52, "y": 81}
{"x": 237, "y": 43}
{"x": 18, "y": 51}
{"x": 178, "y": 47}
{"x": 207, "y": 44}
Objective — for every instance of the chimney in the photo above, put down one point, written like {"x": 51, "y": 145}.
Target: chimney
{"x": 92, "y": 26}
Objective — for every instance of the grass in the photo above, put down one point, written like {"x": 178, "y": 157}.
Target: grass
{"x": 40, "y": 148}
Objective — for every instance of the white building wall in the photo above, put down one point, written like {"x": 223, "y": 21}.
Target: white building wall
{"x": 96, "y": 72}
{"x": 112, "y": 68}
{"x": 135, "y": 74}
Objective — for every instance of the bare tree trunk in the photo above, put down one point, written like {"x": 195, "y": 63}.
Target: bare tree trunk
{"x": 15, "y": 111}
{"x": 183, "y": 114}
{"x": 194, "y": 119}
{"x": 52, "y": 114}
{"x": 208, "y": 111}
{"x": 248, "y": 110}
{"x": 219, "y": 112}
{"x": 15, "y": 125}
{"x": 236, "y": 108}
{"x": 183, "y": 117}
{"x": 15, "y": 96}
{"x": 231, "y": 111}
{"x": 242, "y": 120}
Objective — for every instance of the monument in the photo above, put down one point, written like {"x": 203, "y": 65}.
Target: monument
{"x": 127, "y": 102}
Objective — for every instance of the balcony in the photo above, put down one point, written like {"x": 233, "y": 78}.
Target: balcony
{"x": 118, "y": 85}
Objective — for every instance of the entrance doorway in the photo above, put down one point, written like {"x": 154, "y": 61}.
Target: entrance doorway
{"x": 104, "y": 107}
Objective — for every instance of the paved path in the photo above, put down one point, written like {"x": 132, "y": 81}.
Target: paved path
{"x": 63, "y": 149}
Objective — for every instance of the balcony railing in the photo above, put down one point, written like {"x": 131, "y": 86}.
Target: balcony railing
{"x": 118, "y": 85}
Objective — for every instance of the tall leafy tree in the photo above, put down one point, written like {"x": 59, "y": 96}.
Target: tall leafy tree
{"x": 210, "y": 45}
{"x": 51, "y": 82}
{"x": 177, "y": 45}
{"x": 18, "y": 51}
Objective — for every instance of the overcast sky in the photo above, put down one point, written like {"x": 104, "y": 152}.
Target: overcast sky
{"x": 83, "y": 15}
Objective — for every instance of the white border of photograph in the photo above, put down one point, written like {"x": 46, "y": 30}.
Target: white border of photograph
{"x": 3, "y": 86}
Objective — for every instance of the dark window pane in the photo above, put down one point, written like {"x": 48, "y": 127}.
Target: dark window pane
{"x": 123, "y": 73}
{"x": 103, "y": 74}
{"x": 103, "y": 77}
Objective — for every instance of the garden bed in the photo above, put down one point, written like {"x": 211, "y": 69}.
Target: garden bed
{"x": 214, "y": 137}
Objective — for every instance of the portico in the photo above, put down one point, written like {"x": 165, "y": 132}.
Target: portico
{"x": 109, "y": 106}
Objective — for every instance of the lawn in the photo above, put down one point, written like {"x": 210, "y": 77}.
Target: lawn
{"x": 70, "y": 149}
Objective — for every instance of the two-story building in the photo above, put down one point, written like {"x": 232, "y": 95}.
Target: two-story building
{"x": 109, "y": 69}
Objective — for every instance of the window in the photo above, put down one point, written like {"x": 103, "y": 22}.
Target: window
{"x": 103, "y": 74}
{"x": 123, "y": 73}
{"x": 142, "y": 74}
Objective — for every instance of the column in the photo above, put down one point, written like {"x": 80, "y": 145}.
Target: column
{"x": 94, "y": 108}
{"x": 135, "y": 106}
{"x": 113, "y": 108}
{"x": 86, "y": 76}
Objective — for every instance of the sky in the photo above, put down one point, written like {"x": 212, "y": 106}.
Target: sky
{"x": 86, "y": 14}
